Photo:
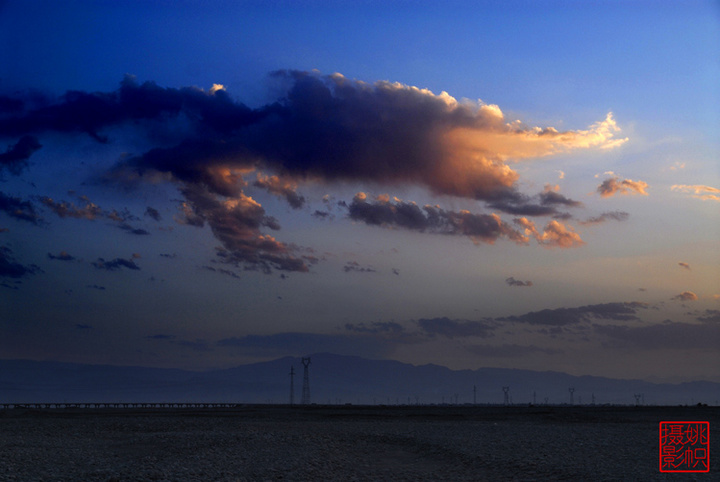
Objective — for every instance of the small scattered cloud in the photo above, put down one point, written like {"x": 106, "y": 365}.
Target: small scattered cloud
{"x": 375, "y": 327}
{"x": 706, "y": 193}
{"x": 354, "y": 266}
{"x": 96, "y": 287}
{"x": 160, "y": 336}
{"x": 554, "y": 235}
{"x": 17, "y": 208}
{"x": 509, "y": 350}
{"x": 15, "y": 158}
{"x": 65, "y": 209}
{"x": 115, "y": 264}
{"x": 223, "y": 271}
{"x": 619, "y": 311}
{"x": 684, "y": 265}
{"x": 513, "y": 282}
{"x": 685, "y": 296}
{"x": 612, "y": 215}
{"x": 615, "y": 185}
{"x": 10, "y": 268}
{"x": 450, "y": 328}
{"x": 153, "y": 213}
{"x": 61, "y": 256}
{"x": 285, "y": 188}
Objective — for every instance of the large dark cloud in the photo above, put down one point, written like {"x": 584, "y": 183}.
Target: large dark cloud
{"x": 620, "y": 311}
{"x": 322, "y": 127}
{"x": 16, "y": 156}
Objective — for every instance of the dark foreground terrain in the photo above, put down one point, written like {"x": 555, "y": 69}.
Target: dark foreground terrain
{"x": 249, "y": 443}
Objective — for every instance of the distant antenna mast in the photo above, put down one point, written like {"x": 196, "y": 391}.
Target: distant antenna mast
{"x": 506, "y": 393}
{"x": 292, "y": 384}
{"x": 306, "y": 382}
{"x": 572, "y": 395}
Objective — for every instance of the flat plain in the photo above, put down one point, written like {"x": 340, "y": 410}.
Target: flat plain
{"x": 361, "y": 443}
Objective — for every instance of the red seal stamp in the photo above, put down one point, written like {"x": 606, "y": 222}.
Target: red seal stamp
{"x": 684, "y": 447}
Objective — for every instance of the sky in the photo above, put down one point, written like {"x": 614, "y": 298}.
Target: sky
{"x": 200, "y": 185}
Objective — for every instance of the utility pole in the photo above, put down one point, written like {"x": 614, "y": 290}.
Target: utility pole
{"x": 306, "y": 382}
{"x": 292, "y": 384}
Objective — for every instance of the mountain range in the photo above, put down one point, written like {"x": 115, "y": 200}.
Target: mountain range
{"x": 333, "y": 379}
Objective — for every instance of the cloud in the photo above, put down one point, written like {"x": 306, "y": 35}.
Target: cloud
{"x": 684, "y": 265}
{"x": 710, "y": 316}
{"x": 355, "y": 266}
{"x": 614, "y": 185}
{"x": 284, "y": 188}
{"x": 456, "y": 328}
{"x": 129, "y": 229}
{"x": 323, "y": 128}
{"x": 62, "y": 256}
{"x": 668, "y": 335}
{"x": 407, "y": 215}
{"x": 160, "y": 337}
{"x": 706, "y": 193}
{"x": 10, "y": 268}
{"x": 301, "y": 344}
{"x": 16, "y": 156}
{"x": 226, "y": 272}
{"x": 612, "y": 215}
{"x": 153, "y": 213}
{"x": 17, "y": 208}
{"x": 513, "y": 282}
{"x": 236, "y": 223}
{"x": 619, "y": 311}
{"x": 685, "y": 296}
{"x": 83, "y": 327}
{"x": 96, "y": 287}
{"x": 115, "y": 264}
{"x": 509, "y": 350}
{"x": 554, "y": 235}
{"x": 66, "y": 209}
{"x": 375, "y": 327}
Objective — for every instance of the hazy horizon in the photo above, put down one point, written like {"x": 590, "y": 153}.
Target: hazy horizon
{"x": 474, "y": 184}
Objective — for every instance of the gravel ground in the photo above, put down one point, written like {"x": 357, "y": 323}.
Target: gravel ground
{"x": 258, "y": 444}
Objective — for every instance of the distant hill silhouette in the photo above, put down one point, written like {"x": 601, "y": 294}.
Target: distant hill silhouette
{"x": 333, "y": 379}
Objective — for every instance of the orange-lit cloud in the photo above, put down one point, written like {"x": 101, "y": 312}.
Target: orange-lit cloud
{"x": 706, "y": 193}
{"x": 686, "y": 296}
{"x": 684, "y": 265}
{"x": 554, "y": 235}
{"x": 614, "y": 185}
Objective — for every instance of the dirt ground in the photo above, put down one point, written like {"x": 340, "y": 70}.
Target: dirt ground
{"x": 249, "y": 443}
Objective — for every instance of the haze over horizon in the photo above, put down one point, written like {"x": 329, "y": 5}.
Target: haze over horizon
{"x": 529, "y": 185}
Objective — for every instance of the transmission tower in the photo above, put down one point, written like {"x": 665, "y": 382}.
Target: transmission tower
{"x": 292, "y": 384}
{"x": 506, "y": 399}
{"x": 306, "y": 382}
{"x": 572, "y": 396}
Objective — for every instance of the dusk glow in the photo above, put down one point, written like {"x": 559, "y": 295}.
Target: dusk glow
{"x": 196, "y": 185}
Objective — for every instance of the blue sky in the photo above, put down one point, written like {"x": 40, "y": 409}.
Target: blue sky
{"x": 512, "y": 184}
